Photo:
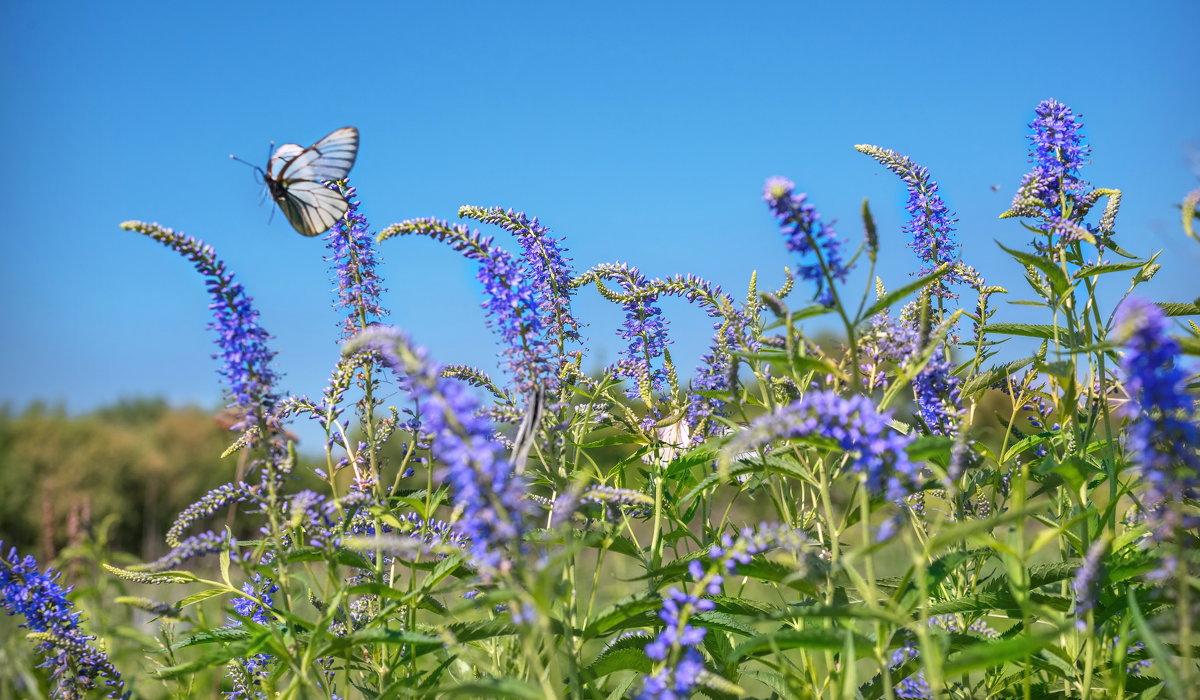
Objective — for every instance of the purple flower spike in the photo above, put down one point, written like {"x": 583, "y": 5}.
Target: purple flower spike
{"x": 352, "y": 254}
{"x": 75, "y": 665}
{"x": 245, "y": 357}
{"x": 878, "y": 454}
{"x": 930, "y": 224}
{"x": 806, "y": 233}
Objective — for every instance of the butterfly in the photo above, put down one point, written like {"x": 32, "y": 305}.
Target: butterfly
{"x": 295, "y": 178}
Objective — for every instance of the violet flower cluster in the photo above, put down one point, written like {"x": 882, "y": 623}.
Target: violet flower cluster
{"x": 930, "y": 223}
{"x": 244, "y": 354}
{"x": 548, "y": 267}
{"x": 804, "y": 232}
{"x": 76, "y": 666}
{"x": 676, "y": 648}
{"x": 248, "y": 674}
{"x": 876, "y": 452}
{"x": 352, "y": 253}
{"x": 485, "y": 487}
{"x": 511, "y": 301}
{"x": 1163, "y": 433}
{"x": 935, "y": 388}
{"x": 1053, "y": 191}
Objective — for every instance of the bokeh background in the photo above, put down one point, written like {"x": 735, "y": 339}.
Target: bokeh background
{"x": 641, "y": 131}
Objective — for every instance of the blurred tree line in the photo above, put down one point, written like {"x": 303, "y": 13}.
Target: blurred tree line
{"x": 133, "y": 465}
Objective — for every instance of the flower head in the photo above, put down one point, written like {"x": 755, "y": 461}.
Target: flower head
{"x": 244, "y": 354}
{"x": 352, "y": 254}
{"x": 853, "y": 424}
{"x": 676, "y": 648}
{"x": 1053, "y": 191}
{"x": 75, "y": 665}
{"x": 930, "y": 223}
{"x": 485, "y": 486}
{"x": 804, "y": 232}
{"x": 1163, "y": 433}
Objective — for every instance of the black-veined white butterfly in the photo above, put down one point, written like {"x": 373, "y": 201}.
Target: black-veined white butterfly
{"x": 295, "y": 178}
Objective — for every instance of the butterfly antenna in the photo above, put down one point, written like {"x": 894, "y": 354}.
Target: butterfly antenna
{"x": 257, "y": 170}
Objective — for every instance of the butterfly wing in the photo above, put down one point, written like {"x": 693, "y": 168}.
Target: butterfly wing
{"x": 311, "y": 207}
{"x": 282, "y": 156}
{"x": 328, "y": 159}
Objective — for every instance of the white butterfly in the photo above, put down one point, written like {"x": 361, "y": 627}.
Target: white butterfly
{"x": 295, "y": 179}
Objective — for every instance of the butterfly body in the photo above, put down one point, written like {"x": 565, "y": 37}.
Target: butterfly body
{"x": 295, "y": 178}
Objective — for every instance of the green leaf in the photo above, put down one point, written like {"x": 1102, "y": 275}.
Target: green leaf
{"x": 621, "y": 611}
{"x": 625, "y": 654}
{"x": 1159, "y": 652}
{"x": 1058, "y": 279}
{"x": 1031, "y": 330}
{"x": 1171, "y": 308}
{"x": 622, "y": 439}
{"x": 376, "y": 635}
{"x": 991, "y": 376}
{"x": 892, "y": 297}
{"x": 784, "y": 639}
{"x": 995, "y": 652}
{"x": 1108, "y": 267}
{"x": 199, "y": 596}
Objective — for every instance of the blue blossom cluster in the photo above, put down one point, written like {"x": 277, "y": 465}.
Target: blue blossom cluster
{"x": 676, "y": 648}
{"x": 644, "y": 329}
{"x": 1052, "y": 191}
{"x": 209, "y": 503}
{"x": 244, "y": 354}
{"x": 511, "y": 301}
{"x": 804, "y": 232}
{"x": 484, "y": 484}
{"x": 75, "y": 665}
{"x": 550, "y": 269}
{"x": 352, "y": 252}
{"x": 715, "y": 373}
{"x": 935, "y": 388}
{"x": 930, "y": 223}
{"x": 190, "y": 548}
{"x": 1163, "y": 433}
{"x": 248, "y": 674}
{"x": 877, "y": 453}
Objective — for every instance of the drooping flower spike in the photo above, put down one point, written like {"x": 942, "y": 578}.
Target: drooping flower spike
{"x": 244, "y": 353}
{"x": 482, "y": 480}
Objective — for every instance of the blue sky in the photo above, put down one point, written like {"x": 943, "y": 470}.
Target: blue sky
{"x": 642, "y": 131}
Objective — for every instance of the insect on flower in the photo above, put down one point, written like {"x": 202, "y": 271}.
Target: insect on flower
{"x": 295, "y": 178}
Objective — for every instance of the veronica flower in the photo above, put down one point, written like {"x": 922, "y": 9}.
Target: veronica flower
{"x": 715, "y": 373}
{"x": 676, "y": 648}
{"x": 75, "y": 665}
{"x": 805, "y": 233}
{"x": 930, "y": 223}
{"x": 244, "y": 354}
{"x": 1163, "y": 433}
{"x": 248, "y": 674}
{"x": 483, "y": 482}
{"x": 935, "y": 387}
{"x": 1052, "y": 191}
{"x": 876, "y": 453}
{"x": 549, "y": 268}
{"x": 750, "y": 542}
{"x": 352, "y": 252}
{"x": 511, "y": 302}
{"x": 190, "y": 548}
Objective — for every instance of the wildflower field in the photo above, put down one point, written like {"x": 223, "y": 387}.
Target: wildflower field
{"x": 944, "y": 502}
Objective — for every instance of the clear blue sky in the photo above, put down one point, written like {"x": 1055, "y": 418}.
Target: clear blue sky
{"x": 642, "y": 131}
